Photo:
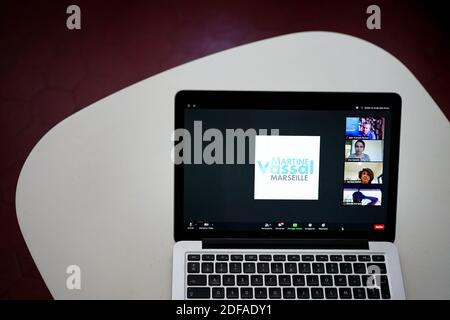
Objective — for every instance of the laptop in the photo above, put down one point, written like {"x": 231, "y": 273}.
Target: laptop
{"x": 286, "y": 195}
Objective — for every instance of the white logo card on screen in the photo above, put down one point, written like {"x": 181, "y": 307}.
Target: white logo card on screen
{"x": 287, "y": 167}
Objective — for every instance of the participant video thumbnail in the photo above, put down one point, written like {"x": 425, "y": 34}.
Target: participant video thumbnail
{"x": 362, "y": 197}
{"x": 364, "y": 150}
{"x": 367, "y": 128}
{"x": 363, "y": 172}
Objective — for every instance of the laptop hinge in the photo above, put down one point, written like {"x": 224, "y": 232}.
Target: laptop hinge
{"x": 241, "y": 243}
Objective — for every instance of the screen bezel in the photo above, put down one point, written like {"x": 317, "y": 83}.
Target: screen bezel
{"x": 291, "y": 101}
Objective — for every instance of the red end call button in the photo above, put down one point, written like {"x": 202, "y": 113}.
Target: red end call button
{"x": 378, "y": 226}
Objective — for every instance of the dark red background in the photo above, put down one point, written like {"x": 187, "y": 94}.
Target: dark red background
{"x": 48, "y": 72}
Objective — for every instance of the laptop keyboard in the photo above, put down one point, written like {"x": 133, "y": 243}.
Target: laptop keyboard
{"x": 286, "y": 276}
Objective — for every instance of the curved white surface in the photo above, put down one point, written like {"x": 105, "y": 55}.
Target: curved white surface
{"x": 96, "y": 191}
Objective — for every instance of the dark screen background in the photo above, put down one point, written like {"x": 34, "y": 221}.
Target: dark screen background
{"x": 225, "y": 193}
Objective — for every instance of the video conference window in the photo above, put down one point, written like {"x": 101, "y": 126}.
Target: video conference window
{"x": 363, "y": 173}
{"x": 365, "y": 128}
{"x": 362, "y": 197}
{"x": 363, "y": 168}
{"x": 364, "y": 150}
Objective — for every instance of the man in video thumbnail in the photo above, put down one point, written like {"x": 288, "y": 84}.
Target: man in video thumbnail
{"x": 367, "y": 128}
{"x": 366, "y": 131}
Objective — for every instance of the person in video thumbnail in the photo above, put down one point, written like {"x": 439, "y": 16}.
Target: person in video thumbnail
{"x": 359, "y": 197}
{"x": 359, "y": 152}
{"x": 366, "y": 131}
{"x": 366, "y": 176}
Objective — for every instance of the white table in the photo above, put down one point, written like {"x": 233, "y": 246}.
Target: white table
{"x": 97, "y": 190}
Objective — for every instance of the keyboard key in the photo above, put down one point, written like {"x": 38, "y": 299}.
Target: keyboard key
{"x": 207, "y": 267}
{"x": 331, "y": 293}
{"x": 340, "y": 280}
{"x": 232, "y": 293}
{"x": 289, "y": 293}
{"x": 312, "y": 280}
{"x": 290, "y": 267}
{"x": 303, "y": 293}
{"x": 198, "y": 293}
{"x": 354, "y": 281}
{"x": 214, "y": 280}
{"x": 298, "y": 281}
{"x": 237, "y": 257}
{"x": 380, "y": 268}
{"x": 228, "y": 280}
{"x": 251, "y": 257}
{"x": 345, "y": 293}
{"x": 242, "y": 280}
{"x": 284, "y": 280}
{"x": 279, "y": 257}
{"x": 359, "y": 268}
{"x": 221, "y": 267}
{"x": 235, "y": 267}
{"x": 317, "y": 293}
{"x": 193, "y": 267}
{"x": 304, "y": 267}
{"x": 274, "y": 293}
{"x": 196, "y": 280}
{"x": 222, "y": 257}
{"x": 326, "y": 281}
{"x": 293, "y": 257}
{"x": 373, "y": 293}
{"x": 307, "y": 257}
{"x": 318, "y": 268}
{"x": 332, "y": 268}
{"x": 345, "y": 267}
{"x": 276, "y": 267}
{"x": 218, "y": 293}
{"x": 349, "y": 258}
{"x": 263, "y": 268}
{"x": 246, "y": 293}
{"x": 359, "y": 293}
{"x": 265, "y": 257}
{"x": 270, "y": 280}
{"x": 321, "y": 258}
{"x": 368, "y": 281}
{"x": 335, "y": 258}
{"x": 363, "y": 258}
{"x": 260, "y": 293}
{"x": 193, "y": 257}
{"x": 377, "y": 258}
{"x": 249, "y": 267}
{"x": 208, "y": 257}
{"x": 256, "y": 280}
{"x": 385, "y": 294}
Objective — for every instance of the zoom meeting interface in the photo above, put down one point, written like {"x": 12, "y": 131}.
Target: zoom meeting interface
{"x": 286, "y": 170}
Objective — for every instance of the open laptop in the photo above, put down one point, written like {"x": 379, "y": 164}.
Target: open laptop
{"x": 286, "y": 195}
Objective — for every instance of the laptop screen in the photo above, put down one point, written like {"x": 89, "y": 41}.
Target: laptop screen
{"x": 285, "y": 165}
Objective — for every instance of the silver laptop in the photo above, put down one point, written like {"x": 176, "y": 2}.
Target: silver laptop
{"x": 286, "y": 195}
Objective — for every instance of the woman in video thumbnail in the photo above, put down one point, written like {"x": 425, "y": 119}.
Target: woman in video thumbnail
{"x": 359, "y": 151}
{"x": 366, "y": 176}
